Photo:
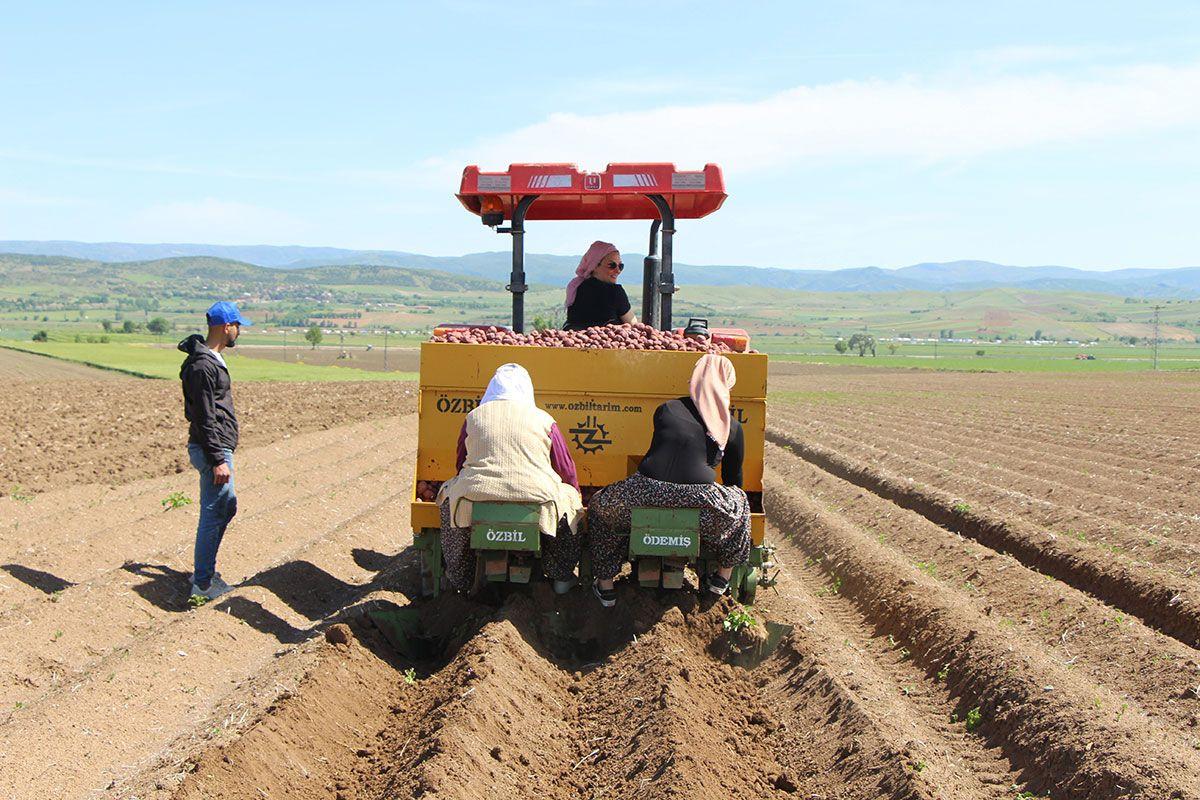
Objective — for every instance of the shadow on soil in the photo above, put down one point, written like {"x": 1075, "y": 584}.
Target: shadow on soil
{"x": 571, "y": 631}
{"x": 42, "y": 581}
{"x": 164, "y": 587}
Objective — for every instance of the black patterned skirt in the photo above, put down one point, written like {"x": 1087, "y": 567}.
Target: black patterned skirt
{"x": 724, "y": 518}
{"x": 560, "y": 553}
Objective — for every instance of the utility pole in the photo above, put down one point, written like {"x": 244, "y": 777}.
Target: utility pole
{"x": 385, "y": 334}
{"x": 1156, "y": 310}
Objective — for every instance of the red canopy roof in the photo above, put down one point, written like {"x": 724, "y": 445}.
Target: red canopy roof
{"x": 619, "y": 192}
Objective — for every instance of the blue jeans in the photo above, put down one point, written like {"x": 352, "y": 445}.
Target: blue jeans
{"x": 218, "y": 505}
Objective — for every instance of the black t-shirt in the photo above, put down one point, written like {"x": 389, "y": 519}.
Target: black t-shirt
{"x": 681, "y": 451}
{"x": 597, "y": 302}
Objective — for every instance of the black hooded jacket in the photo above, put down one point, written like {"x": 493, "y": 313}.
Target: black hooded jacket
{"x": 207, "y": 400}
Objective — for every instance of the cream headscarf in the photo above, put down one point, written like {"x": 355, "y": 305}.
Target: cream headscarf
{"x": 590, "y": 259}
{"x": 709, "y": 388}
{"x": 511, "y": 382}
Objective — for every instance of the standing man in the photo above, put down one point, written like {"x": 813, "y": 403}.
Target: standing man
{"x": 212, "y": 438}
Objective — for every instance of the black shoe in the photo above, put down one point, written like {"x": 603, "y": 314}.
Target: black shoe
{"x": 716, "y": 584}
{"x": 607, "y": 597}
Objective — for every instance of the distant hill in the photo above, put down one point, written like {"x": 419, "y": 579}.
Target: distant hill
{"x": 196, "y": 271}
{"x": 1183, "y": 283}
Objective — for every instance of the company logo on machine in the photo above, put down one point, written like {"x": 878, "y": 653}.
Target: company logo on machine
{"x": 667, "y": 541}
{"x": 513, "y": 537}
{"x": 590, "y": 436}
{"x": 591, "y": 182}
{"x": 550, "y": 182}
{"x": 456, "y": 405}
{"x": 739, "y": 414}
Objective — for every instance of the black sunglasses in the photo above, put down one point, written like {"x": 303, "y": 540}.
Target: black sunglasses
{"x": 615, "y": 265}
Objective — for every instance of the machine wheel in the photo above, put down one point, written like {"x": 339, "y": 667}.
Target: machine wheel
{"x": 750, "y": 586}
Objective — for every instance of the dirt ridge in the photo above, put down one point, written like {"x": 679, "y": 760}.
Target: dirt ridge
{"x": 1153, "y": 596}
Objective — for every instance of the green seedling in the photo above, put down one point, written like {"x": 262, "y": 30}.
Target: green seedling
{"x": 917, "y": 766}
{"x": 17, "y": 706}
{"x": 739, "y": 619}
{"x": 962, "y": 508}
{"x": 892, "y": 642}
{"x": 928, "y": 567}
{"x": 904, "y": 653}
{"x": 974, "y": 718}
{"x": 943, "y": 673}
{"x": 57, "y": 635}
{"x": 18, "y": 494}
{"x": 881, "y": 538}
{"x": 55, "y": 595}
{"x": 410, "y": 675}
{"x": 196, "y": 600}
{"x": 907, "y": 691}
{"x": 969, "y": 587}
{"x": 176, "y": 500}
{"x": 832, "y": 588}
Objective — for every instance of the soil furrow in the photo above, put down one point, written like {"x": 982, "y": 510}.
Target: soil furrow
{"x": 1154, "y": 670}
{"x": 1112, "y": 534}
{"x": 1041, "y": 732}
{"x": 1161, "y": 599}
{"x": 1129, "y": 494}
{"x": 1067, "y": 507}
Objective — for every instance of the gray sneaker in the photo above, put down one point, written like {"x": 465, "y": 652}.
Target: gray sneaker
{"x": 216, "y": 588}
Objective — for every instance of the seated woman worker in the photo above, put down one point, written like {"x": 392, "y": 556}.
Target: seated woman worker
{"x": 509, "y": 450}
{"x": 691, "y": 436}
{"x": 593, "y": 296}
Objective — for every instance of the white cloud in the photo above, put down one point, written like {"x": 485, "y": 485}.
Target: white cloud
{"x": 908, "y": 118}
{"x": 212, "y": 220}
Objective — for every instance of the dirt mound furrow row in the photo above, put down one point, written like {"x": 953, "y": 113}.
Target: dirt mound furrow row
{"x": 1166, "y": 545}
{"x": 113, "y": 432}
{"x": 1162, "y": 600}
{"x": 86, "y": 513}
{"x": 662, "y": 716}
{"x": 1051, "y": 445}
{"x": 51, "y": 663}
{"x": 873, "y": 674}
{"x": 57, "y": 567}
{"x": 976, "y": 471}
{"x": 287, "y": 597}
{"x": 1136, "y": 495}
{"x": 1000, "y": 684}
{"x": 1070, "y": 626}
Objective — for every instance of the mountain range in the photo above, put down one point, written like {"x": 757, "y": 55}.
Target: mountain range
{"x": 1181, "y": 283}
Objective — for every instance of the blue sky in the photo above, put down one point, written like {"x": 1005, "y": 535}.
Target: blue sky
{"x": 853, "y": 133}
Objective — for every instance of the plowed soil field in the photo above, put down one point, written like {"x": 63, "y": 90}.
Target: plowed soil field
{"x": 986, "y": 589}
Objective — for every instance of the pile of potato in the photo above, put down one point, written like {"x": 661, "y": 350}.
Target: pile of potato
{"x": 634, "y": 336}
{"x": 427, "y": 490}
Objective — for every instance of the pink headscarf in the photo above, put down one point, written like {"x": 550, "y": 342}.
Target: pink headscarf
{"x": 709, "y": 388}
{"x": 590, "y": 259}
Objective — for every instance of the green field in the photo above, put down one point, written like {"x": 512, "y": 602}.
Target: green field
{"x": 997, "y": 357}
{"x": 149, "y": 361}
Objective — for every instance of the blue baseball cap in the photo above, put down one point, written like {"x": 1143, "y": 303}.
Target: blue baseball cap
{"x": 225, "y": 313}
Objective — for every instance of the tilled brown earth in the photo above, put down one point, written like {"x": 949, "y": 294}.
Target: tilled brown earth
{"x": 904, "y": 654}
{"x": 64, "y": 424}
